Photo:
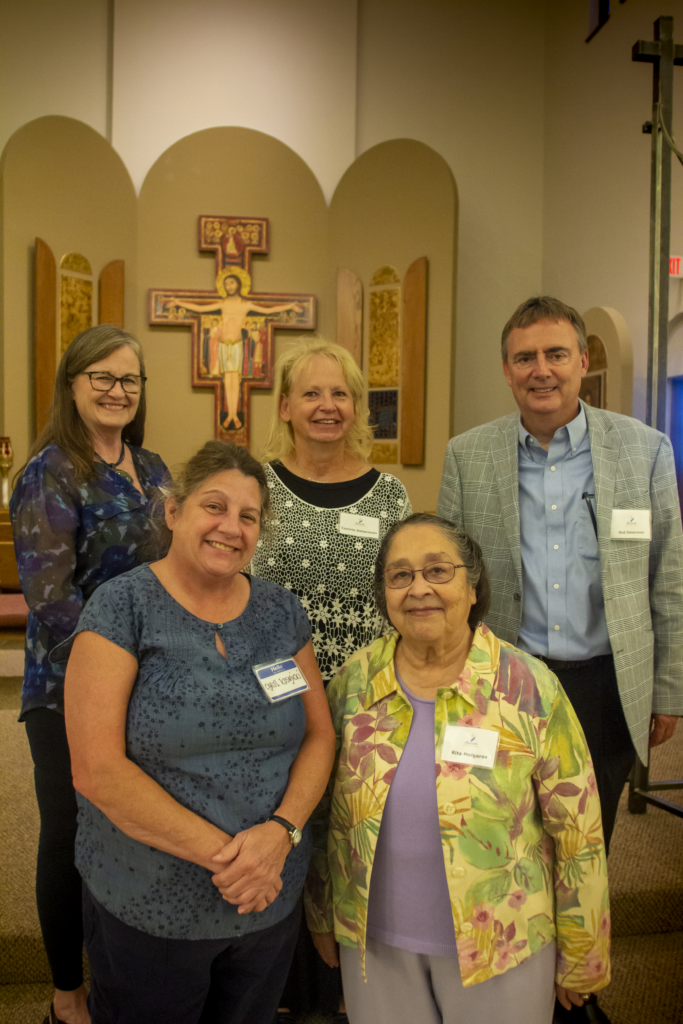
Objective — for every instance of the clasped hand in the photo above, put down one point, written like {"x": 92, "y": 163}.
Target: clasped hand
{"x": 253, "y": 862}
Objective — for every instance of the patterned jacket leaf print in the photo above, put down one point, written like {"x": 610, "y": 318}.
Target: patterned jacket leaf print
{"x": 522, "y": 842}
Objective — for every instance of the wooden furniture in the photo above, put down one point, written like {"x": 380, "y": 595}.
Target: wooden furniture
{"x": 9, "y": 574}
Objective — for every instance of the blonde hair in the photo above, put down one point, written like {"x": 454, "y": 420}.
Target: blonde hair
{"x": 280, "y": 440}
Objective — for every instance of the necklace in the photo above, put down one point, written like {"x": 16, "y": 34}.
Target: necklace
{"x": 115, "y": 465}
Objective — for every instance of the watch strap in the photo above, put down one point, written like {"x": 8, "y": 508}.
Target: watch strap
{"x": 292, "y": 829}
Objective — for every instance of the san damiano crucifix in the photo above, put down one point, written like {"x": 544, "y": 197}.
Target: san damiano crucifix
{"x": 232, "y": 328}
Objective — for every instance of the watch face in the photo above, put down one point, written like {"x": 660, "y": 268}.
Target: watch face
{"x": 295, "y": 836}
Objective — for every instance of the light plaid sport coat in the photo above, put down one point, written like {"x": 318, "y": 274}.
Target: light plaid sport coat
{"x": 642, "y": 582}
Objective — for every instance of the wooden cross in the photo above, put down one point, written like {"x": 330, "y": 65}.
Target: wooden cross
{"x": 232, "y": 327}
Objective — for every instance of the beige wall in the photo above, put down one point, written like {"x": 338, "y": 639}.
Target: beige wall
{"x": 597, "y": 167}
{"x": 61, "y": 181}
{"x": 467, "y": 80}
{"x": 287, "y": 69}
{"x": 204, "y": 174}
{"x": 397, "y": 203}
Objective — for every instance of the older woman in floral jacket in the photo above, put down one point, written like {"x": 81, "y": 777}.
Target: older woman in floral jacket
{"x": 462, "y": 866}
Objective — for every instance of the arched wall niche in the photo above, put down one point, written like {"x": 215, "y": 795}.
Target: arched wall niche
{"x": 607, "y": 326}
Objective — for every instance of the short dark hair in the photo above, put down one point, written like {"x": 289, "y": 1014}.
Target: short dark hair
{"x": 216, "y": 457}
{"x": 467, "y": 548}
{"x": 543, "y": 307}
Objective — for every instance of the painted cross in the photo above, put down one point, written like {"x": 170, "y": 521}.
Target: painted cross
{"x": 232, "y": 327}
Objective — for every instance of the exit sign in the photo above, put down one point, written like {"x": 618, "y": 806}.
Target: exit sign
{"x": 675, "y": 266}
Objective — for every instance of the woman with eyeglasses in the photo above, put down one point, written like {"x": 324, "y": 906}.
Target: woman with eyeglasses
{"x": 459, "y": 861}
{"x": 81, "y": 515}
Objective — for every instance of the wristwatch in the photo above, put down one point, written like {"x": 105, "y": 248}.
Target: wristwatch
{"x": 294, "y": 832}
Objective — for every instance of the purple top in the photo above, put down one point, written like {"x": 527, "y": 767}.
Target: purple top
{"x": 409, "y": 904}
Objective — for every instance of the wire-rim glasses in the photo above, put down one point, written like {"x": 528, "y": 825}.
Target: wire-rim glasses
{"x": 436, "y": 572}
{"x": 132, "y": 383}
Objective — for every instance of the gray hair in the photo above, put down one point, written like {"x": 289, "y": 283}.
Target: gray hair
{"x": 543, "y": 307}
{"x": 467, "y": 548}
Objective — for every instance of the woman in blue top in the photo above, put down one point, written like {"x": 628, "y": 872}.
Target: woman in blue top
{"x": 198, "y": 760}
{"x": 80, "y": 515}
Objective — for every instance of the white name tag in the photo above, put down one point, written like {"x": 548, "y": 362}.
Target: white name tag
{"x": 631, "y": 524}
{"x": 358, "y": 526}
{"x": 464, "y": 745}
{"x": 280, "y": 679}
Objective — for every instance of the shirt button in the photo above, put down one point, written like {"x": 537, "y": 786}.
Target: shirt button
{"x": 552, "y": 469}
{"x": 517, "y": 597}
{"x": 449, "y": 809}
{"x": 557, "y": 546}
{"x": 553, "y": 507}
{"x": 457, "y": 871}
{"x": 557, "y": 586}
{"x": 557, "y": 627}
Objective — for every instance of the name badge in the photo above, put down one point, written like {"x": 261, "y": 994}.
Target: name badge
{"x": 280, "y": 679}
{"x": 631, "y": 524}
{"x": 464, "y": 745}
{"x": 358, "y": 526}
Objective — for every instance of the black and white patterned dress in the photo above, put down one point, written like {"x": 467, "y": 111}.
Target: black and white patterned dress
{"x": 330, "y": 572}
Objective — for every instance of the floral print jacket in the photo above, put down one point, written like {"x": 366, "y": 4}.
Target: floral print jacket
{"x": 522, "y": 841}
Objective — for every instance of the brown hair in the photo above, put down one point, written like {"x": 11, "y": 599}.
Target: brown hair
{"x": 467, "y": 548}
{"x": 294, "y": 359}
{"x": 65, "y": 427}
{"x": 216, "y": 457}
{"x": 543, "y": 307}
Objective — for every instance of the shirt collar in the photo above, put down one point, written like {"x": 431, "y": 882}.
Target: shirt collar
{"x": 576, "y": 429}
{"x": 475, "y": 683}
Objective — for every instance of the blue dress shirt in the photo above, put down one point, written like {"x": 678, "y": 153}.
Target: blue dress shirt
{"x": 564, "y": 613}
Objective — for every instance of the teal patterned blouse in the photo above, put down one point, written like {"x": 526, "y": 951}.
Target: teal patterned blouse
{"x": 70, "y": 536}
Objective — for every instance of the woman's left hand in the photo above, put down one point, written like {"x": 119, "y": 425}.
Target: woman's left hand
{"x": 568, "y": 998}
{"x": 254, "y": 861}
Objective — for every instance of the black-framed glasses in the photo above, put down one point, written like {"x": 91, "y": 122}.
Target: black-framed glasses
{"x": 436, "y": 572}
{"x": 132, "y": 384}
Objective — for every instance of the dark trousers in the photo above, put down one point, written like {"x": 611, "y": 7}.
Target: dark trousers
{"x": 143, "y": 979}
{"x": 58, "y": 883}
{"x": 594, "y": 694}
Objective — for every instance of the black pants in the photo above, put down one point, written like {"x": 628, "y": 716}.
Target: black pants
{"x": 58, "y": 883}
{"x": 594, "y": 694}
{"x": 143, "y": 979}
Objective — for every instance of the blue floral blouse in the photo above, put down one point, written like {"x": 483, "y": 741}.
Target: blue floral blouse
{"x": 200, "y": 725}
{"x": 70, "y": 536}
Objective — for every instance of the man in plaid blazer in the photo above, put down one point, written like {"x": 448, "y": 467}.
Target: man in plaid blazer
{"x": 637, "y": 585}
{"x": 599, "y": 598}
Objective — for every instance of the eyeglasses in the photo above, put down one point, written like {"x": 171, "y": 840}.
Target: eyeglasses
{"x": 435, "y": 572}
{"x": 131, "y": 383}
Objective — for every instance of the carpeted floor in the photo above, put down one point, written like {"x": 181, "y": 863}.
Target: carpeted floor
{"x": 646, "y": 886}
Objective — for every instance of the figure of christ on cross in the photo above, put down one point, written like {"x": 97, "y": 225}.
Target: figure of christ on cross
{"x": 234, "y": 310}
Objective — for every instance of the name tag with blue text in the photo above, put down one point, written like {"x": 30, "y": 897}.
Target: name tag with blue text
{"x": 280, "y": 679}
{"x": 464, "y": 745}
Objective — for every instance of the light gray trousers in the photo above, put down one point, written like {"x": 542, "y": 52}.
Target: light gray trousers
{"x": 413, "y": 988}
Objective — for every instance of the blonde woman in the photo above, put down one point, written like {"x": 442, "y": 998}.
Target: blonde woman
{"x": 331, "y": 512}
{"x": 331, "y": 507}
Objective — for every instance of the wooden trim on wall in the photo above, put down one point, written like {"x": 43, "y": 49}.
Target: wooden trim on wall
{"x": 112, "y": 294}
{"x": 46, "y": 331}
{"x": 413, "y": 354}
{"x": 350, "y": 313}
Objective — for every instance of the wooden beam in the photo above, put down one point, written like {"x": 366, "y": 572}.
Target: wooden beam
{"x": 413, "y": 354}
{"x": 46, "y": 331}
{"x": 112, "y": 294}
{"x": 350, "y": 313}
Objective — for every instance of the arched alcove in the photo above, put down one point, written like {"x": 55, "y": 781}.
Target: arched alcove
{"x": 610, "y": 370}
